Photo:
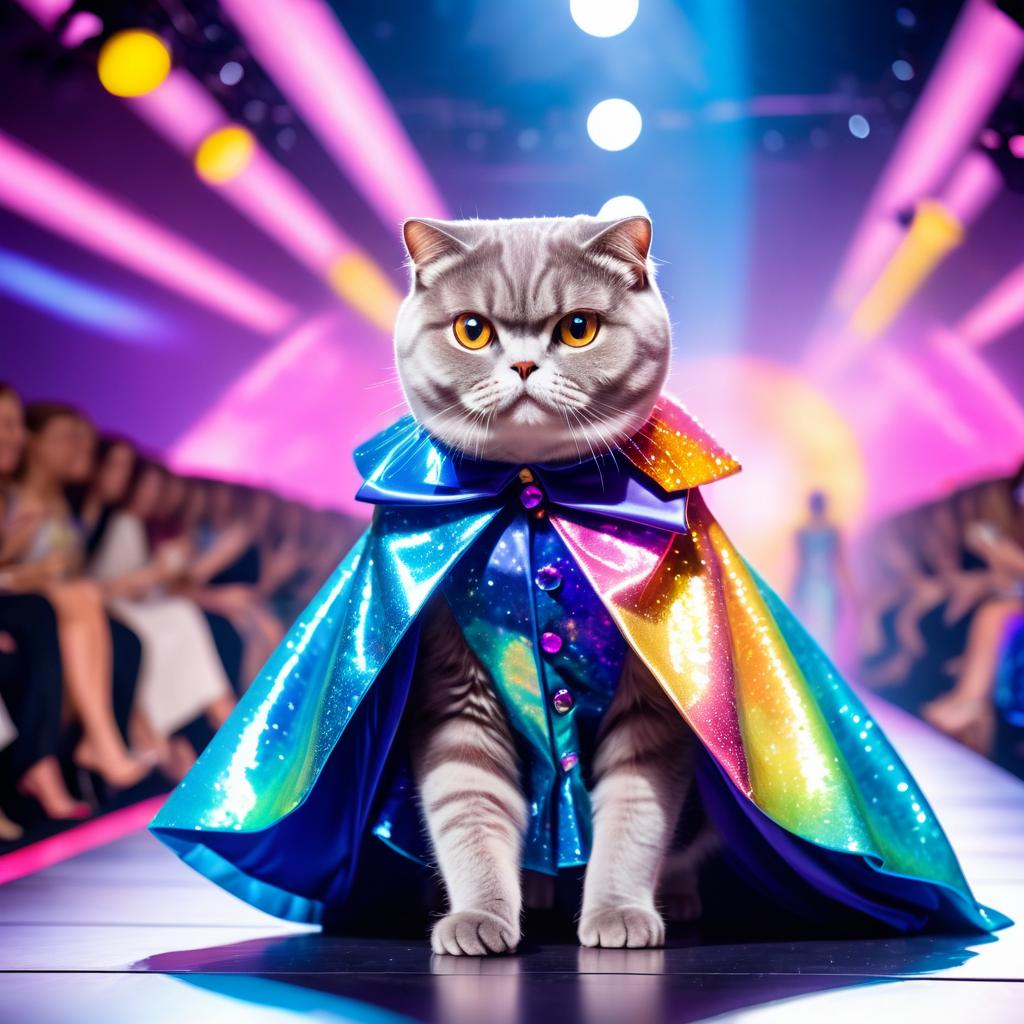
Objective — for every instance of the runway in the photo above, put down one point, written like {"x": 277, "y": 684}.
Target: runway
{"x": 125, "y": 932}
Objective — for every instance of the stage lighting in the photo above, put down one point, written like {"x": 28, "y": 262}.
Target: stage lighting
{"x": 604, "y": 17}
{"x": 859, "y": 127}
{"x": 360, "y": 282}
{"x": 903, "y": 70}
{"x": 133, "y": 62}
{"x": 614, "y": 124}
{"x": 231, "y": 73}
{"x": 224, "y": 154}
{"x": 1016, "y": 145}
{"x": 622, "y": 206}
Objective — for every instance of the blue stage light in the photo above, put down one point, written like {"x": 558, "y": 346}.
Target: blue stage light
{"x": 604, "y": 17}
{"x": 614, "y": 124}
{"x": 859, "y": 126}
{"x": 77, "y": 301}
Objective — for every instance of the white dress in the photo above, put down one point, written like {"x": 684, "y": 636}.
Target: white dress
{"x": 181, "y": 673}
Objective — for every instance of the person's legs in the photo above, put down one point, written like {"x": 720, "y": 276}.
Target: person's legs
{"x": 35, "y": 704}
{"x": 85, "y": 647}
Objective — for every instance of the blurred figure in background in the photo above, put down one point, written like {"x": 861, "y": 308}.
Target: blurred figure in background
{"x": 225, "y": 575}
{"x": 42, "y": 549}
{"x": 821, "y": 576}
{"x": 968, "y": 712}
{"x": 182, "y": 677}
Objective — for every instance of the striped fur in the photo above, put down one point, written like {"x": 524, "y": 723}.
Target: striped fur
{"x": 524, "y": 275}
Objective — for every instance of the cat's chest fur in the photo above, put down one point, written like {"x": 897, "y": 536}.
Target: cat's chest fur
{"x": 555, "y": 657}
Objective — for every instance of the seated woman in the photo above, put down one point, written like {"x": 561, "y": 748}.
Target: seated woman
{"x": 226, "y": 573}
{"x": 40, "y": 551}
{"x": 967, "y": 712}
{"x": 182, "y": 677}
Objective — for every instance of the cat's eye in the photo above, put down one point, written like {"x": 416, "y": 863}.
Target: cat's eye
{"x": 577, "y": 329}
{"x": 472, "y": 330}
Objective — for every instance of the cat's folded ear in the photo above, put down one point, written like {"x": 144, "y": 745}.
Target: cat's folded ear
{"x": 627, "y": 241}
{"x": 428, "y": 241}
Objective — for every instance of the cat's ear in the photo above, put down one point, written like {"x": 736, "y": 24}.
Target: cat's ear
{"x": 428, "y": 241}
{"x": 628, "y": 241}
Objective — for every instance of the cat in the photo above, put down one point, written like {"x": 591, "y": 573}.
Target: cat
{"x": 535, "y": 341}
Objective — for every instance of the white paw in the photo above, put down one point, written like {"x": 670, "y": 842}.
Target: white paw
{"x": 615, "y": 927}
{"x": 473, "y": 933}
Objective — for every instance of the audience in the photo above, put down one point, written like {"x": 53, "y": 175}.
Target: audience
{"x": 944, "y": 632}
{"x": 134, "y": 604}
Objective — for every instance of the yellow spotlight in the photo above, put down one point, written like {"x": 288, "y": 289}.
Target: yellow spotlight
{"x": 934, "y": 231}
{"x": 358, "y": 280}
{"x": 133, "y": 62}
{"x": 224, "y": 154}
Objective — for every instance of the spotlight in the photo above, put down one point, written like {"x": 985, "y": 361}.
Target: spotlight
{"x": 604, "y": 17}
{"x": 82, "y": 25}
{"x": 231, "y": 73}
{"x": 903, "y": 70}
{"x": 133, "y": 62}
{"x": 614, "y": 124}
{"x": 622, "y": 206}
{"x": 224, "y": 154}
{"x": 1016, "y": 145}
{"x": 859, "y": 127}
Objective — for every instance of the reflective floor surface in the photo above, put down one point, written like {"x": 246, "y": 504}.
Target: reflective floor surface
{"x": 126, "y": 933}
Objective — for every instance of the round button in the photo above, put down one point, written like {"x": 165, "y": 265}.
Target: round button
{"x": 548, "y": 577}
{"x": 551, "y": 643}
{"x": 562, "y": 701}
{"x": 569, "y": 760}
{"x": 531, "y": 496}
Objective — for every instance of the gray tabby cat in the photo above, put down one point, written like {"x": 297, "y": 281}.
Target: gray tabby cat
{"x": 531, "y": 341}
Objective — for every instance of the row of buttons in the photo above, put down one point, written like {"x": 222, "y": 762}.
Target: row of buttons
{"x": 549, "y": 578}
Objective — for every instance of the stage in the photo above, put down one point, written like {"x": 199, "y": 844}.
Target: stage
{"x": 124, "y": 932}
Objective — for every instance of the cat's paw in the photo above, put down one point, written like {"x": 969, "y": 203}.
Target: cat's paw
{"x": 473, "y": 933}
{"x": 615, "y": 927}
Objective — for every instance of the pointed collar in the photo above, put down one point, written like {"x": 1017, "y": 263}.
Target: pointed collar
{"x": 642, "y": 482}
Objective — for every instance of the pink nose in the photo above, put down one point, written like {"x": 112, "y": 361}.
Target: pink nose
{"x": 524, "y": 369}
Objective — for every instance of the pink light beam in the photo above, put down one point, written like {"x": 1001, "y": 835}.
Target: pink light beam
{"x": 306, "y": 51}
{"x": 41, "y": 191}
{"x": 998, "y": 313}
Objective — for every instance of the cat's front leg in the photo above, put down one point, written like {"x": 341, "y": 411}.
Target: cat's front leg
{"x": 467, "y": 771}
{"x": 643, "y": 770}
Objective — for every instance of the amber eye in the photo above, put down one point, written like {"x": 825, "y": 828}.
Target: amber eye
{"x": 472, "y": 330}
{"x": 577, "y": 329}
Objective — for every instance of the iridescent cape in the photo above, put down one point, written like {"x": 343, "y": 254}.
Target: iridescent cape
{"x": 310, "y": 771}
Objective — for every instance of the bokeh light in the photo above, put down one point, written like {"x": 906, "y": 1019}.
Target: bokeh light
{"x": 133, "y": 63}
{"x": 903, "y": 70}
{"x": 859, "y": 126}
{"x": 224, "y": 154}
{"x": 604, "y": 18}
{"x": 622, "y": 206}
{"x": 614, "y": 124}
{"x": 231, "y": 73}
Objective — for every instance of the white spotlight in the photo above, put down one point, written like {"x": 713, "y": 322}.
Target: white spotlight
{"x": 622, "y": 206}
{"x": 614, "y": 124}
{"x": 859, "y": 126}
{"x": 604, "y": 17}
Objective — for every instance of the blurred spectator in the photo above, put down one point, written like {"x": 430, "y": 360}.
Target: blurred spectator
{"x": 182, "y": 677}
{"x": 41, "y": 550}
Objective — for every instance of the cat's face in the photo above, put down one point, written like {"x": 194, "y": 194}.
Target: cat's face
{"x": 535, "y": 340}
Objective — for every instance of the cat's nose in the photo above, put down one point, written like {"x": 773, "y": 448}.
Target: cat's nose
{"x": 525, "y": 368}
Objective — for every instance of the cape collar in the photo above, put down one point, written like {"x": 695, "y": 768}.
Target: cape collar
{"x": 644, "y": 481}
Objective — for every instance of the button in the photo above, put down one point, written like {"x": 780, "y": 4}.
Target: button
{"x": 562, "y": 701}
{"x": 551, "y": 643}
{"x": 531, "y": 496}
{"x": 548, "y": 577}
{"x": 569, "y": 760}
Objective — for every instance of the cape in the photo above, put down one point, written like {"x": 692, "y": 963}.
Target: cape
{"x": 552, "y": 572}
